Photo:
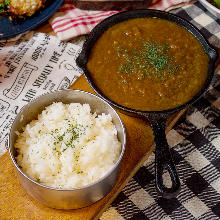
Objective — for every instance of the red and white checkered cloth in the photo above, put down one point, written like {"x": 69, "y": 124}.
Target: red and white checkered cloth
{"x": 69, "y": 21}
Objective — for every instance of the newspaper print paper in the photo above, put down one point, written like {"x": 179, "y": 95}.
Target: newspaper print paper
{"x": 33, "y": 65}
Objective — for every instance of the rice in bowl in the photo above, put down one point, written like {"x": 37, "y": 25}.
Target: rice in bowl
{"x": 68, "y": 146}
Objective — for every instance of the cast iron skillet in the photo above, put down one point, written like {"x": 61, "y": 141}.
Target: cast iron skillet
{"x": 157, "y": 119}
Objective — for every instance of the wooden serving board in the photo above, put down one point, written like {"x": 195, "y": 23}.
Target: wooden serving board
{"x": 15, "y": 203}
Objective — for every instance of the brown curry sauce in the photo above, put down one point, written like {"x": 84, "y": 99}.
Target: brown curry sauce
{"x": 148, "y": 64}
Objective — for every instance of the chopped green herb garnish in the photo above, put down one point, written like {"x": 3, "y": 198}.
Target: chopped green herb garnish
{"x": 68, "y": 137}
{"x": 3, "y": 6}
{"x": 150, "y": 59}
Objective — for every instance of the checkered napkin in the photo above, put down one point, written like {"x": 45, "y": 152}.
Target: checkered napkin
{"x": 195, "y": 146}
{"x": 78, "y": 18}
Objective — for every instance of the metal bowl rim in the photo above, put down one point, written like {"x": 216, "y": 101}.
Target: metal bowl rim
{"x": 210, "y": 6}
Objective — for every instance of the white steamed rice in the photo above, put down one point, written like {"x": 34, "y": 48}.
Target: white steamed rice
{"x": 68, "y": 146}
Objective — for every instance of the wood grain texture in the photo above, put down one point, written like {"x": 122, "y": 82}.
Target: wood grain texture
{"x": 15, "y": 203}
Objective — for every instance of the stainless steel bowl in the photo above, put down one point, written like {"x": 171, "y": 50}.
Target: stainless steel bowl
{"x": 66, "y": 198}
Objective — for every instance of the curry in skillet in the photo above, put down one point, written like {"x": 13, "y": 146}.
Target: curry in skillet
{"x": 148, "y": 64}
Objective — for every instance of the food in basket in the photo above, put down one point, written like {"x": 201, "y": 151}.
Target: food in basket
{"x": 152, "y": 64}
{"x": 216, "y": 3}
{"x": 68, "y": 146}
{"x": 20, "y": 8}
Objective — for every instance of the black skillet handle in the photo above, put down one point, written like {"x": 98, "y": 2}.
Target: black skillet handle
{"x": 163, "y": 160}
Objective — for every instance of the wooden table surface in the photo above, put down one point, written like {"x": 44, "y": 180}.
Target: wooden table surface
{"x": 15, "y": 203}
